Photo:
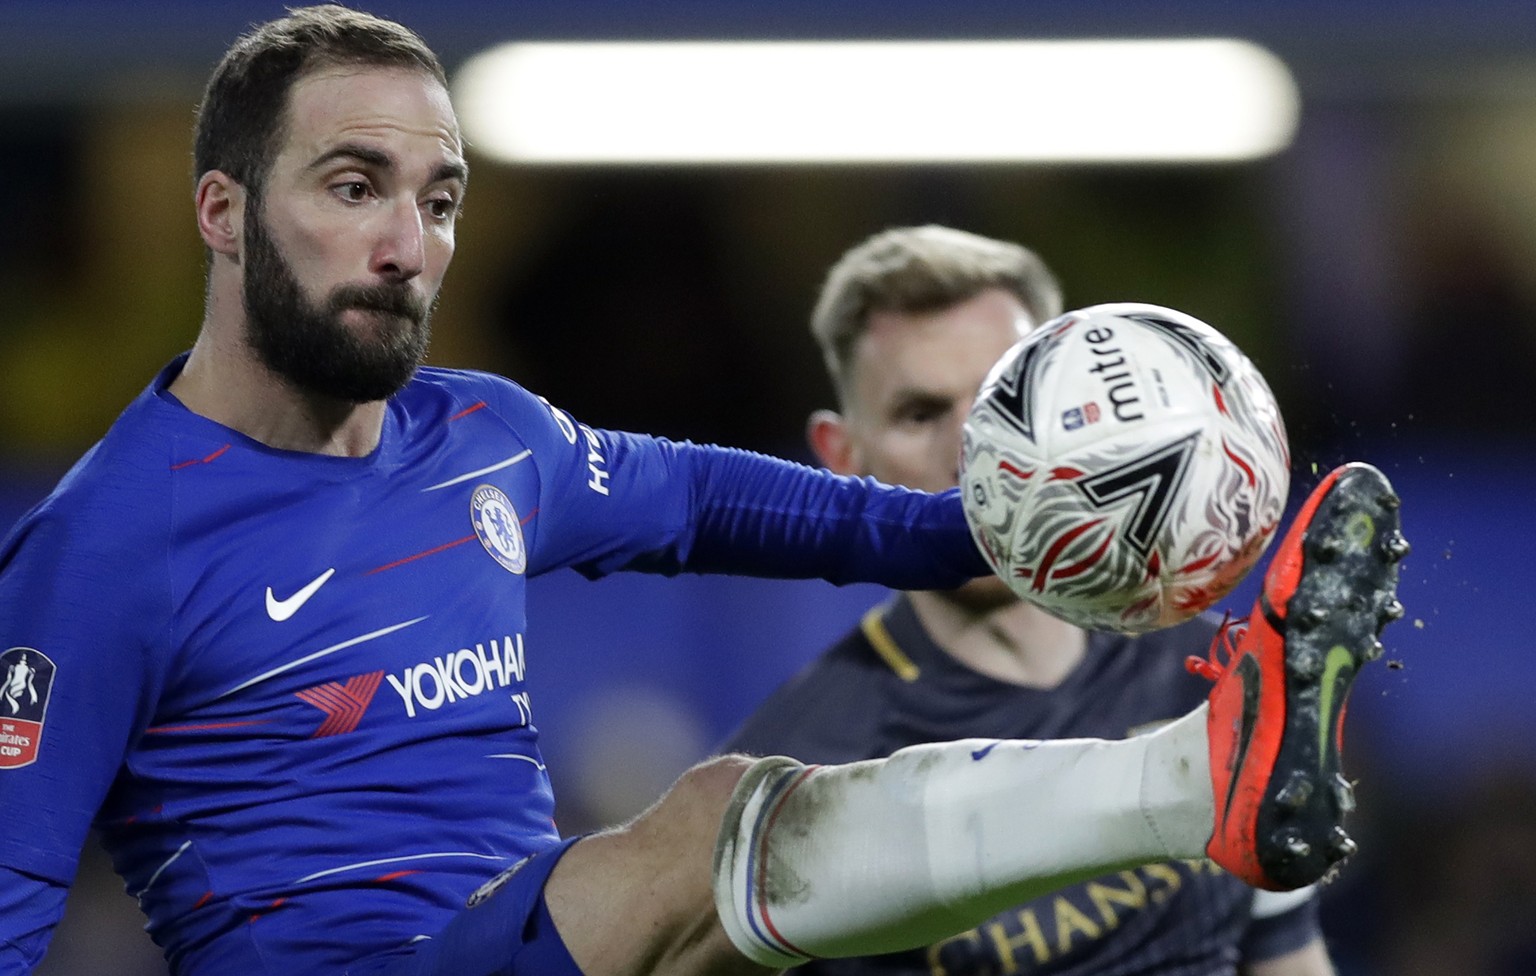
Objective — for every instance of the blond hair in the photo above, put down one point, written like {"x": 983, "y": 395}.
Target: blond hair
{"x": 922, "y": 269}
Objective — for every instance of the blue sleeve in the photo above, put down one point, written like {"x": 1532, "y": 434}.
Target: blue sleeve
{"x": 75, "y": 688}
{"x": 760, "y": 516}
{"x": 614, "y": 501}
{"x": 1282, "y": 922}
{"x": 29, "y": 909}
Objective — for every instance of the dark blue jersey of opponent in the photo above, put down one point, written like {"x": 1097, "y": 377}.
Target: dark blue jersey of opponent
{"x": 292, "y": 691}
{"x": 887, "y": 685}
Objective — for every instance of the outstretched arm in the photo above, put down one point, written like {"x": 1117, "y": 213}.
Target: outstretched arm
{"x": 670, "y": 507}
{"x": 766, "y": 517}
{"x": 611, "y": 501}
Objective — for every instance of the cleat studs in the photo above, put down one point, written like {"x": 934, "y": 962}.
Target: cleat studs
{"x": 1340, "y": 845}
{"x": 1374, "y": 650}
{"x": 1392, "y": 610}
{"x": 1296, "y": 792}
{"x": 1360, "y": 530}
{"x": 1397, "y": 547}
{"x": 1291, "y": 843}
{"x": 1343, "y": 794}
{"x": 1389, "y": 501}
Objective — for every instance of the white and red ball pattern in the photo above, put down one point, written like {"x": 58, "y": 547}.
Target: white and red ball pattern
{"x": 1124, "y": 467}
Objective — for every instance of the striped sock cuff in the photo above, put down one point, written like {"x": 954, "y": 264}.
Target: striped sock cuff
{"x": 742, "y": 885}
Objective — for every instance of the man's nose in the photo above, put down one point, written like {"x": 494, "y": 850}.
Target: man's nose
{"x": 401, "y": 249}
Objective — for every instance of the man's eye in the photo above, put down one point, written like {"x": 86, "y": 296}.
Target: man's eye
{"x": 442, "y": 209}
{"x": 354, "y": 191}
{"x": 921, "y": 414}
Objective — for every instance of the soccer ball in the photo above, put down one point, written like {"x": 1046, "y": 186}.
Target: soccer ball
{"x": 1124, "y": 466}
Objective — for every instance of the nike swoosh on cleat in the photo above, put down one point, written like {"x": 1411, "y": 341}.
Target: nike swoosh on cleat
{"x": 981, "y": 753}
{"x": 280, "y": 610}
{"x": 1252, "y": 677}
{"x": 1338, "y": 659}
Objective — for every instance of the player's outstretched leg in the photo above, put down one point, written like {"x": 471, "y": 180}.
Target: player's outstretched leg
{"x": 1277, "y": 710}
{"x": 889, "y": 854}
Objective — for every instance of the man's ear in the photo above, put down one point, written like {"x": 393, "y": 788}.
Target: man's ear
{"x": 829, "y": 437}
{"x": 221, "y": 213}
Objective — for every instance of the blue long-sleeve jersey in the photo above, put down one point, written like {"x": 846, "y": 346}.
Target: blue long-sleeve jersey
{"x": 293, "y": 691}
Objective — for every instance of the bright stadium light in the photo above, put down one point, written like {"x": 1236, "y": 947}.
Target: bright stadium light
{"x": 1197, "y": 100}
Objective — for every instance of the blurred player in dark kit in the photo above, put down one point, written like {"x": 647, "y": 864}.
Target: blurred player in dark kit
{"x": 275, "y": 621}
{"x": 909, "y": 322}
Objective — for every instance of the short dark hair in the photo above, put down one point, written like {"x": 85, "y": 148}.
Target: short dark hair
{"x": 917, "y": 270}
{"x": 242, "y": 114}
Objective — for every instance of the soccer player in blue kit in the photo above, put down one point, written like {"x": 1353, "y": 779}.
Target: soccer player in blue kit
{"x": 274, "y": 620}
{"x": 909, "y": 322}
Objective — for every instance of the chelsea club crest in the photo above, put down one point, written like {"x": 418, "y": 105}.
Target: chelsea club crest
{"x": 497, "y": 525}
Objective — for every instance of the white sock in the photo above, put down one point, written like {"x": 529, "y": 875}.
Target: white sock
{"x": 889, "y": 854}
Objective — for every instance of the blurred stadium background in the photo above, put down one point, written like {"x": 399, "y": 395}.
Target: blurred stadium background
{"x": 1381, "y": 270}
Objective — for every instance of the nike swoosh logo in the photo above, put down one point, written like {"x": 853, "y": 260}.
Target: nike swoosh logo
{"x": 1249, "y": 672}
{"x": 1334, "y": 664}
{"x": 981, "y": 753}
{"x": 281, "y": 610}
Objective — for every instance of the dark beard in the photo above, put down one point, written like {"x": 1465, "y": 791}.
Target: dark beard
{"x": 307, "y": 344}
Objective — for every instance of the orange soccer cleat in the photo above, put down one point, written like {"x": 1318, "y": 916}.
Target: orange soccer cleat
{"x": 1282, "y": 679}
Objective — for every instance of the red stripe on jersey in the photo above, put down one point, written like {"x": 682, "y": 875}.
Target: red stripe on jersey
{"x": 160, "y": 729}
{"x": 134, "y": 817}
{"x": 202, "y": 460}
{"x": 420, "y": 555}
{"x": 467, "y": 411}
